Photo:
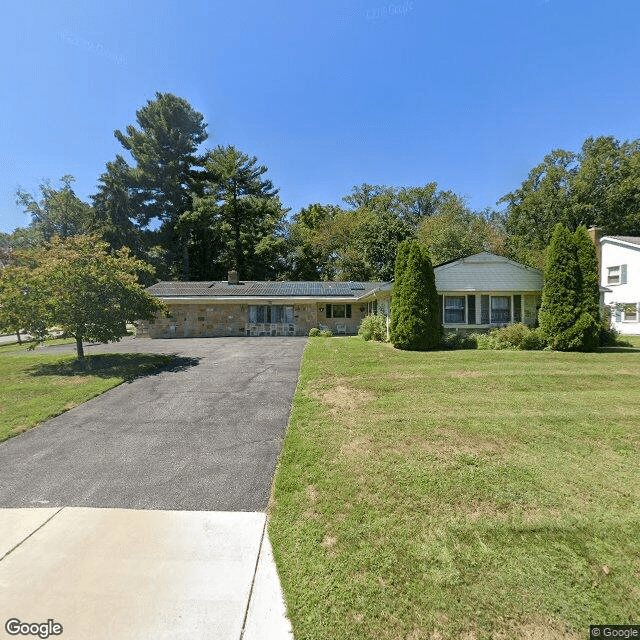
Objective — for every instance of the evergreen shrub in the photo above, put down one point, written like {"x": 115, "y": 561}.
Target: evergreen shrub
{"x": 415, "y": 315}
{"x": 513, "y": 337}
{"x": 373, "y": 327}
{"x": 564, "y": 321}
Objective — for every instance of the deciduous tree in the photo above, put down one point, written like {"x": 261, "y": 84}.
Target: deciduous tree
{"x": 456, "y": 231}
{"x": 85, "y": 290}
{"x": 58, "y": 211}
{"x": 599, "y": 186}
{"x": 21, "y": 301}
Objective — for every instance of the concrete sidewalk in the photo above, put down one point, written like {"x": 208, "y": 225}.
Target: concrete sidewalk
{"x": 121, "y": 574}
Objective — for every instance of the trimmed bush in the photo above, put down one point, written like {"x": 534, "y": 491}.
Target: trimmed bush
{"x": 582, "y": 336}
{"x": 416, "y": 322}
{"x": 326, "y": 333}
{"x": 457, "y": 340}
{"x": 514, "y": 336}
{"x": 373, "y": 327}
{"x": 314, "y": 332}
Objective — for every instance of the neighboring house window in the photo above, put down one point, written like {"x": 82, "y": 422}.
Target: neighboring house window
{"x": 270, "y": 314}
{"x": 500, "y": 309}
{"x": 630, "y": 313}
{"x": 338, "y": 311}
{"x": 454, "y": 310}
{"x": 617, "y": 275}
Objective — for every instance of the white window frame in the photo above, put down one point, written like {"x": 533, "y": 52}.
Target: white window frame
{"x": 510, "y": 299}
{"x": 464, "y": 309}
{"x": 632, "y": 318}
{"x": 613, "y": 275}
{"x": 478, "y": 295}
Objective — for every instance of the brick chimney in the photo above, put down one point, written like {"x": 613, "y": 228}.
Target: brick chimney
{"x": 232, "y": 277}
{"x": 595, "y": 233}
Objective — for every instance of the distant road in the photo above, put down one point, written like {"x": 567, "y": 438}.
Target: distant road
{"x": 12, "y": 338}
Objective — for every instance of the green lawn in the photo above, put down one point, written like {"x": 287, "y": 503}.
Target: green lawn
{"x": 634, "y": 340}
{"x": 464, "y": 494}
{"x": 37, "y": 385}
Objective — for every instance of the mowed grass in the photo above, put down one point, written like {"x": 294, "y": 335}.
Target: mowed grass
{"x": 37, "y": 385}
{"x": 633, "y": 340}
{"x": 465, "y": 494}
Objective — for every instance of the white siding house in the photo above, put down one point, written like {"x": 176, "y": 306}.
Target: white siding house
{"x": 485, "y": 290}
{"x": 620, "y": 279}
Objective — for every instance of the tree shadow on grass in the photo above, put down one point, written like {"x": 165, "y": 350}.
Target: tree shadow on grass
{"x": 129, "y": 366}
{"x": 619, "y": 350}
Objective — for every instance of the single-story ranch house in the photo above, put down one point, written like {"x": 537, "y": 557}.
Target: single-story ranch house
{"x": 477, "y": 292}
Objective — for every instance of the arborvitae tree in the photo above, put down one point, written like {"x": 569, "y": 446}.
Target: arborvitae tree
{"x": 402, "y": 257}
{"x": 588, "y": 263}
{"x": 563, "y": 321}
{"x": 414, "y": 305}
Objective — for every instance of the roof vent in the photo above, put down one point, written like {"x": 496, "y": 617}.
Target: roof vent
{"x": 233, "y": 277}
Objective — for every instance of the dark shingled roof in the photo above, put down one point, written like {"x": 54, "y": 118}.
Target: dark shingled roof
{"x": 631, "y": 239}
{"x": 263, "y": 289}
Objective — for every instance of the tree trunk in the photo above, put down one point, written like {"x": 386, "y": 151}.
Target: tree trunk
{"x": 239, "y": 253}
{"x": 80, "y": 350}
{"x": 18, "y": 335}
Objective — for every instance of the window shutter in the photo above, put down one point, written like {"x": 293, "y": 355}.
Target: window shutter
{"x": 623, "y": 274}
{"x": 517, "y": 308}
{"x": 618, "y": 314}
{"x": 328, "y": 311}
{"x": 441, "y": 307}
{"x": 348, "y": 311}
{"x": 471, "y": 307}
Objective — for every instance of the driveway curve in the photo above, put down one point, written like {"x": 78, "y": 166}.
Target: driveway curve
{"x": 204, "y": 437}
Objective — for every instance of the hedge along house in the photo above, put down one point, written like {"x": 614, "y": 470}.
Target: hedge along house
{"x": 235, "y": 308}
{"x": 485, "y": 290}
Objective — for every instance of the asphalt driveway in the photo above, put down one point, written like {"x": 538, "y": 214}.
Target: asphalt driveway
{"x": 204, "y": 437}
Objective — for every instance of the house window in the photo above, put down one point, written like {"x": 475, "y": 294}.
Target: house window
{"x": 338, "y": 311}
{"x": 270, "y": 314}
{"x": 630, "y": 313}
{"x": 500, "y": 309}
{"x": 614, "y": 275}
{"x": 617, "y": 275}
{"x": 454, "y": 310}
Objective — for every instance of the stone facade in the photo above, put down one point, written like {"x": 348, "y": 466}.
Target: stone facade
{"x": 209, "y": 320}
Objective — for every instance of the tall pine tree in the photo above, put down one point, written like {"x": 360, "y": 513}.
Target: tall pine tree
{"x": 159, "y": 187}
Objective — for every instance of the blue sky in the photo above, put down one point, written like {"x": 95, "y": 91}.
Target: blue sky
{"x": 326, "y": 94}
